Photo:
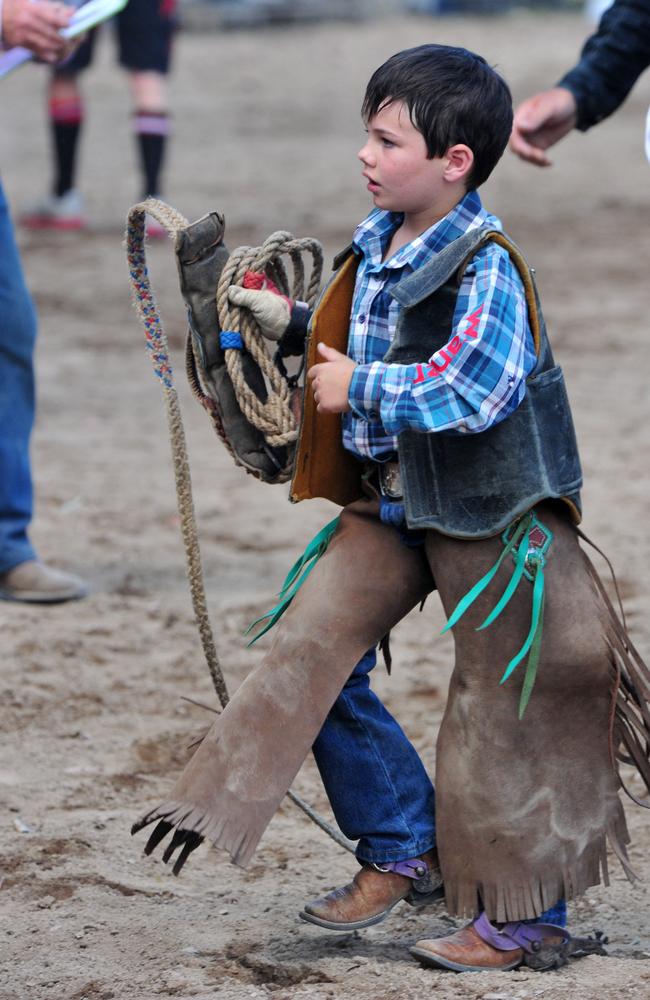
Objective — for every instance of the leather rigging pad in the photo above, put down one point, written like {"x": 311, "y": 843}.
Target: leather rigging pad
{"x": 201, "y": 255}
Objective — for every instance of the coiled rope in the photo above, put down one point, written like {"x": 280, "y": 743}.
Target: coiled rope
{"x": 266, "y": 259}
{"x": 273, "y": 417}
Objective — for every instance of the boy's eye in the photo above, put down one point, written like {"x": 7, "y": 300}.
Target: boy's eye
{"x": 387, "y": 143}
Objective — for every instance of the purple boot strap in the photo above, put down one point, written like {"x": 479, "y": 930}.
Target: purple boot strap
{"x": 414, "y": 868}
{"x": 518, "y": 935}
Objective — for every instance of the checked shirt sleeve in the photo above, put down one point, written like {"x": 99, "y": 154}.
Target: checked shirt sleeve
{"x": 474, "y": 381}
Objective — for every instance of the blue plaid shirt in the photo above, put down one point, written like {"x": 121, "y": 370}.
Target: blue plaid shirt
{"x": 474, "y": 382}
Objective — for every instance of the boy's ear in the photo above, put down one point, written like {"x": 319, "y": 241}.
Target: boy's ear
{"x": 460, "y": 160}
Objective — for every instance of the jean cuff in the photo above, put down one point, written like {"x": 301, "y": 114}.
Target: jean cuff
{"x": 399, "y": 854}
{"x": 17, "y": 555}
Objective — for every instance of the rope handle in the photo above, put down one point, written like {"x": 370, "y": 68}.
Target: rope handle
{"x": 145, "y": 303}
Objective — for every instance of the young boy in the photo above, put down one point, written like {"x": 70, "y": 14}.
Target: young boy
{"x": 457, "y": 451}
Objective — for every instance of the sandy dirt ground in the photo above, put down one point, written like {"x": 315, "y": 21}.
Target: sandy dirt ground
{"x": 93, "y": 728}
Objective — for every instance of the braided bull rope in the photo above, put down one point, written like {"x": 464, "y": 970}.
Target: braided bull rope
{"x": 266, "y": 259}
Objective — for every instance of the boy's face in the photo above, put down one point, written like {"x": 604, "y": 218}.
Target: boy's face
{"x": 401, "y": 177}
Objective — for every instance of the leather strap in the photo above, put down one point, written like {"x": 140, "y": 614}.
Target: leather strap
{"x": 414, "y": 868}
{"x": 517, "y": 935}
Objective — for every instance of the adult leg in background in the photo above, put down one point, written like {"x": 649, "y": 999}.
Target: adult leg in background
{"x": 22, "y": 576}
{"x": 17, "y": 400}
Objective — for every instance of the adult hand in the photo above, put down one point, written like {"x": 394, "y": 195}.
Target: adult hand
{"x": 35, "y": 25}
{"x": 330, "y": 380}
{"x": 540, "y": 122}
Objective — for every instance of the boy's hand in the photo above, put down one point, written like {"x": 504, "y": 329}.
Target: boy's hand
{"x": 330, "y": 380}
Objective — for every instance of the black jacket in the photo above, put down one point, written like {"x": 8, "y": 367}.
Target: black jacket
{"x": 611, "y": 61}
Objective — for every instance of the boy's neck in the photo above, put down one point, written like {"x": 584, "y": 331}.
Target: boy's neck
{"x": 416, "y": 223}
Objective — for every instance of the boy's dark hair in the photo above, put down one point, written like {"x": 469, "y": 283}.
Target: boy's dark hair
{"x": 453, "y": 95}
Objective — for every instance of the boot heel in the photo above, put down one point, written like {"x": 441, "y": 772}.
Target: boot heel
{"x": 416, "y": 898}
{"x": 545, "y": 957}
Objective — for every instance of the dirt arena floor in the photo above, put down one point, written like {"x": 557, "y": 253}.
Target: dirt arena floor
{"x": 93, "y": 728}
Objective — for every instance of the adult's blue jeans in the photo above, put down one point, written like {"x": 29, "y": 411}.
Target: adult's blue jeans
{"x": 379, "y": 791}
{"x": 17, "y": 340}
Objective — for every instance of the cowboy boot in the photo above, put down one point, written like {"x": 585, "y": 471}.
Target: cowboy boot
{"x": 485, "y": 947}
{"x": 375, "y": 890}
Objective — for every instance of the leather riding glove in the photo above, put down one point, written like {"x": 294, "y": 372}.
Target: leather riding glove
{"x": 280, "y": 318}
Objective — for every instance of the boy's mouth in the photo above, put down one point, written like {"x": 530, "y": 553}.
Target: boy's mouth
{"x": 371, "y": 185}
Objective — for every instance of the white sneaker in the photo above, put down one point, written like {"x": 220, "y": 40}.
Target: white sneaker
{"x": 64, "y": 212}
{"x": 33, "y": 582}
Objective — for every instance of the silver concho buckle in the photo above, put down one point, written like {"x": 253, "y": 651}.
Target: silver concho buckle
{"x": 390, "y": 480}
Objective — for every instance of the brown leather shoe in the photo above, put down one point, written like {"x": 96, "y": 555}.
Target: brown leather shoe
{"x": 35, "y": 583}
{"x": 466, "y": 951}
{"x": 372, "y": 894}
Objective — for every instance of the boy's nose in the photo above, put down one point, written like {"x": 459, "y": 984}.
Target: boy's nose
{"x": 365, "y": 155}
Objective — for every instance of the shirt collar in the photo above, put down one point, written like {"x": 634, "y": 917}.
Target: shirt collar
{"x": 373, "y": 235}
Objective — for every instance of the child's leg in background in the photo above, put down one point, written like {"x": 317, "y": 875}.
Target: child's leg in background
{"x": 151, "y": 125}
{"x": 63, "y": 207}
{"x": 145, "y": 29}
{"x": 65, "y": 109}
{"x": 66, "y": 114}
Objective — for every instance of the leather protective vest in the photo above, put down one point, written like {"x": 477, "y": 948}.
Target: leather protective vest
{"x": 464, "y": 485}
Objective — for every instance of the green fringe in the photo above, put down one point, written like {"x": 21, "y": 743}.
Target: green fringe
{"x": 529, "y": 562}
{"x": 295, "y": 578}
{"x": 531, "y": 666}
{"x": 465, "y": 602}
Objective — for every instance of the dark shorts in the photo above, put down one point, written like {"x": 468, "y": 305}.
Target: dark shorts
{"x": 144, "y": 32}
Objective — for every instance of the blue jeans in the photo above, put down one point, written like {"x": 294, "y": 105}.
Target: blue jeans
{"x": 17, "y": 339}
{"x": 378, "y": 788}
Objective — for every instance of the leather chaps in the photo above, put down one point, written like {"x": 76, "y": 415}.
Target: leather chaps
{"x": 524, "y": 807}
